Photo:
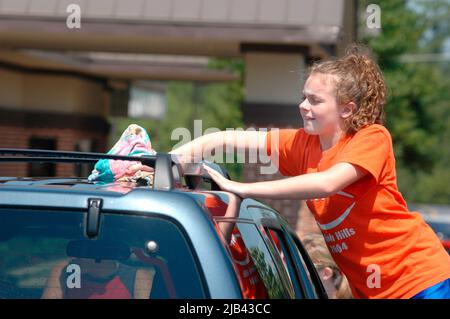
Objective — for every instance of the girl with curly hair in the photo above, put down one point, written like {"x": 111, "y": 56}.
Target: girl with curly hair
{"x": 342, "y": 163}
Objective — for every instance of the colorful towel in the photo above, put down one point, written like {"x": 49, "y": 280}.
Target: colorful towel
{"x": 134, "y": 142}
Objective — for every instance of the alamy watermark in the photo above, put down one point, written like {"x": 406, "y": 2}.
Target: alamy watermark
{"x": 73, "y": 20}
{"x": 374, "y": 279}
{"x": 73, "y": 276}
{"x": 373, "y": 20}
{"x": 250, "y": 147}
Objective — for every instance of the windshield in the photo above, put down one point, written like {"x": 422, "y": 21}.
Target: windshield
{"x": 46, "y": 255}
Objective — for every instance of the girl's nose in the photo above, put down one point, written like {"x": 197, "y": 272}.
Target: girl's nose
{"x": 303, "y": 105}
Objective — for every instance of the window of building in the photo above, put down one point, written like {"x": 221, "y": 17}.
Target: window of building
{"x": 42, "y": 169}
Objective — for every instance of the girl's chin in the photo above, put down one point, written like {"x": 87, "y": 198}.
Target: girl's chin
{"x": 310, "y": 129}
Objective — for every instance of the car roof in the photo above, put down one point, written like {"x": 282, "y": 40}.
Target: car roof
{"x": 71, "y": 193}
{"x": 162, "y": 197}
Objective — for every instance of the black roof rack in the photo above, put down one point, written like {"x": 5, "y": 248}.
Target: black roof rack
{"x": 167, "y": 173}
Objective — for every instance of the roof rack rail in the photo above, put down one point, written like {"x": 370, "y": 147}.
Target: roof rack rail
{"x": 167, "y": 176}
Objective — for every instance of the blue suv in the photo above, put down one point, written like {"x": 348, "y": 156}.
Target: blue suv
{"x": 179, "y": 237}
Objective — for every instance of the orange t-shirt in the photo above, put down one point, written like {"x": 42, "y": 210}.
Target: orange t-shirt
{"x": 384, "y": 250}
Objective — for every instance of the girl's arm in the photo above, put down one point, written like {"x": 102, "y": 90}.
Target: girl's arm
{"x": 226, "y": 227}
{"x": 306, "y": 186}
{"x": 225, "y": 140}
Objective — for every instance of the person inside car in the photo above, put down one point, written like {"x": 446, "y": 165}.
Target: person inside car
{"x": 106, "y": 279}
{"x": 333, "y": 280}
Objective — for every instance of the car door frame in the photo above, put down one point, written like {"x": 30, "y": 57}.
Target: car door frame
{"x": 310, "y": 286}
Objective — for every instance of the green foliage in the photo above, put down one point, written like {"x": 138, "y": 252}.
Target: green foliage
{"x": 418, "y": 108}
{"x": 271, "y": 282}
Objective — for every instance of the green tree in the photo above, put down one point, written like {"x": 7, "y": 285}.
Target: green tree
{"x": 272, "y": 283}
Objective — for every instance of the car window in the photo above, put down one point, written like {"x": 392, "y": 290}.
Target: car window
{"x": 46, "y": 255}
{"x": 278, "y": 240}
{"x": 280, "y": 248}
{"x": 254, "y": 265}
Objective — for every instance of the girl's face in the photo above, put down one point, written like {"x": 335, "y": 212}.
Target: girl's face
{"x": 319, "y": 109}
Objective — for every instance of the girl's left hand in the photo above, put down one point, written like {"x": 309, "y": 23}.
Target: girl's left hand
{"x": 225, "y": 184}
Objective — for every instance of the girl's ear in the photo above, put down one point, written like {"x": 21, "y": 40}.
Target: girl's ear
{"x": 327, "y": 273}
{"x": 346, "y": 110}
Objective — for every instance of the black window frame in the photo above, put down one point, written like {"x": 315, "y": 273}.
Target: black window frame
{"x": 305, "y": 260}
{"x": 298, "y": 287}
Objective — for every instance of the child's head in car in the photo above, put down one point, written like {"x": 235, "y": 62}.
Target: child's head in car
{"x": 334, "y": 282}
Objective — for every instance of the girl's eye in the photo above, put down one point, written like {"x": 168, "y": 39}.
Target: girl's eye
{"x": 311, "y": 100}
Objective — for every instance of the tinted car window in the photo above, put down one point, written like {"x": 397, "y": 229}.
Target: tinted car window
{"x": 254, "y": 264}
{"x": 278, "y": 241}
{"x": 279, "y": 245}
{"x": 46, "y": 255}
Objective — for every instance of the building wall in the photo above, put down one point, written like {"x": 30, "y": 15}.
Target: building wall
{"x": 66, "y": 140}
{"x": 56, "y": 93}
{"x": 273, "y": 77}
{"x": 69, "y": 110}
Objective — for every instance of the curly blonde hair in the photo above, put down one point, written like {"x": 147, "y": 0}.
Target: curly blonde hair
{"x": 358, "y": 79}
